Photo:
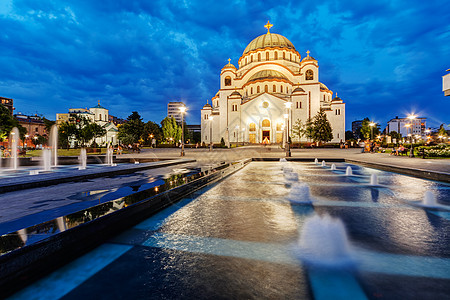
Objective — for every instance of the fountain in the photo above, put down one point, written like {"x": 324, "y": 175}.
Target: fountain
{"x": 47, "y": 159}
{"x": 14, "y": 142}
{"x": 83, "y": 159}
{"x": 109, "y": 156}
{"x": 283, "y": 160}
{"x": 323, "y": 163}
{"x": 323, "y": 241}
{"x": 291, "y": 176}
{"x": 300, "y": 193}
{"x": 429, "y": 199}
{"x": 333, "y": 167}
{"x": 373, "y": 179}
{"x": 316, "y": 161}
{"x": 53, "y": 143}
{"x": 349, "y": 171}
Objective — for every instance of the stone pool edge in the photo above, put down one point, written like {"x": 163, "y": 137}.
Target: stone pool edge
{"x": 25, "y": 265}
{"x": 420, "y": 173}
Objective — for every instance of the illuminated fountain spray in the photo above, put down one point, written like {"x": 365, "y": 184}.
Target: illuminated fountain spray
{"x": 53, "y": 143}
{"x": 429, "y": 199}
{"x": 323, "y": 163}
{"x": 14, "y": 141}
{"x": 316, "y": 161}
{"x": 333, "y": 167}
{"x": 300, "y": 193}
{"x": 47, "y": 159}
{"x": 373, "y": 179}
{"x": 109, "y": 155}
{"x": 349, "y": 171}
{"x": 324, "y": 241}
{"x": 83, "y": 159}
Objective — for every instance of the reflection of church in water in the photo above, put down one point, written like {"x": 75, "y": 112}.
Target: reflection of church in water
{"x": 272, "y": 88}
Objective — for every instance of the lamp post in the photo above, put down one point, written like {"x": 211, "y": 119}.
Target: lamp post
{"x": 210, "y": 132}
{"x": 26, "y": 141}
{"x": 411, "y": 118}
{"x": 288, "y": 148}
{"x": 182, "y": 110}
{"x": 35, "y": 140}
{"x": 371, "y": 124}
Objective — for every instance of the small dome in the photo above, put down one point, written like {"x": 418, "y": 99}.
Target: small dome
{"x": 298, "y": 90}
{"x": 207, "y": 106}
{"x": 269, "y": 40}
{"x": 267, "y": 74}
{"x": 336, "y": 99}
{"x": 236, "y": 93}
{"x": 308, "y": 57}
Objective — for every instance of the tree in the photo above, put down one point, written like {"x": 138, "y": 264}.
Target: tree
{"x": 442, "y": 131}
{"x": 66, "y": 132}
{"x": 366, "y": 130}
{"x": 133, "y": 130}
{"x": 322, "y": 127}
{"x": 8, "y": 122}
{"x": 151, "y": 129}
{"x": 395, "y": 135}
{"x": 171, "y": 130}
{"x": 48, "y": 124}
{"x": 299, "y": 129}
{"x": 309, "y": 129}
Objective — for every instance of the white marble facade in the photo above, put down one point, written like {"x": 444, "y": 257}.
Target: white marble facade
{"x": 251, "y": 104}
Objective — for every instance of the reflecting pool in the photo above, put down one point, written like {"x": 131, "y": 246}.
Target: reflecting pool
{"x": 255, "y": 235}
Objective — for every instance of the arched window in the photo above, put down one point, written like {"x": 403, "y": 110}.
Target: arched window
{"x": 267, "y": 55}
{"x": 266, "y": 88}
{"x": 246, "y": 60}
{"x": 252, "y": 127}
{"x": 309, "y": 75}
{"x": 265, "y": 123}
{"x": 228, "y": 81}
{"x": 276, "y": 55}
{"x": 274, "y": 89}
{"x": 284, "y": 55}
{"x": 257, "y": 89}
{"x": 290, "y": 56}
{"x": 281, "y": 89}
{"x": 324, "y": 98}
{"x": 259, "y": 56}
{"x": 251, "y": 90}
{"x": 251, "y": 58}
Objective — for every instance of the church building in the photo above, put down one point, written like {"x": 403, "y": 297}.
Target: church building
{"x": 261, "y": 101}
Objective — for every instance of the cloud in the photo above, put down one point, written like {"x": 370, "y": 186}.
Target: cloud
{"x": 381, "y": 56}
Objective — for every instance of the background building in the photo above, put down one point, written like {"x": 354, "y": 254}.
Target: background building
{"x": 253, "y": 99}
{"x": 8, "y": 103}
{"x": 173, "y": 110}
{"x": 399, "y": 125}
{"x": 446, "y": 84}
{"x": 97, "y": 114}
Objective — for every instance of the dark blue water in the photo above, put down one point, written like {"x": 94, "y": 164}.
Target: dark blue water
{"x": 238, "y": 239}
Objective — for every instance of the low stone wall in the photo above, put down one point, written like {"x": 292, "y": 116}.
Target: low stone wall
{"x": 25, "y": 265}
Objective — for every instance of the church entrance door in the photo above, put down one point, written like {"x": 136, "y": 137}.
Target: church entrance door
{"x": 252, "y": 138}
{"x": 266, "y": 136}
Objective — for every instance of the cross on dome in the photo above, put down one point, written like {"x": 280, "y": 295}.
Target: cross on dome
{"x": 268, "y": 26}
{"x": 307, "y": 52}
{"x": 98, "y": 102}
{"x": 229, "y": 60}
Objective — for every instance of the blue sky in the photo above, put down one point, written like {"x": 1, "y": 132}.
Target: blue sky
{"x": 384, "y": 58}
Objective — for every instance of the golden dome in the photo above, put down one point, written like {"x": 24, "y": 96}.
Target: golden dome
{"x": 267, "y": 74}
{"x": 269, "y": 40}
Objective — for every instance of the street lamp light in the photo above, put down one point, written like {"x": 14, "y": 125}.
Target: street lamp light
{"x": 286, "y": 116}
{"x": 371, "y": 124}
{"x": 182, "y": 110}
{"x": 411, "y": 118}
{"x": 26, "y": 142}
{"x": 210, "y": 132}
